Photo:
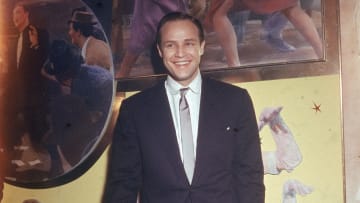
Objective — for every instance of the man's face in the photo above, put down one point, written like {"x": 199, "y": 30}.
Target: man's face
{"x": 181, "y": 50}
{"x": 20, "y": 17}
{"x": 74, "y": 35}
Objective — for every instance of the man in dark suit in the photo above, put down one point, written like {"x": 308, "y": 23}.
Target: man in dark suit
{"x": 199, "y": 148}
{"x": 26, "y": 94}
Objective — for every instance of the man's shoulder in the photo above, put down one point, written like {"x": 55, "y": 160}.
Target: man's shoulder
{"x": 221, "y": 86}
{"x": 149, "y": 94}
{"x": 96, "y": 43}
{"x": 98, "y": 49}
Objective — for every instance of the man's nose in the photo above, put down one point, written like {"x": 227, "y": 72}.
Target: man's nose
{"x": 179, "y": 51}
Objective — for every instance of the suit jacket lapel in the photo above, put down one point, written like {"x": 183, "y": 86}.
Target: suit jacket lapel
{"x": 166, "y": 129}
{"x": 206, "y": 117}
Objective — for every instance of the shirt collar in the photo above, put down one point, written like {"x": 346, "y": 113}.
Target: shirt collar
{"x": 83, "y": 50}
{"x": 173, "y": 86}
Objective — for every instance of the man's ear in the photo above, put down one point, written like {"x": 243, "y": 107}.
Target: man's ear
{"x": 159, "y": 50}
{"x": 202, "y": 47}
{"x": 79, "y": 33}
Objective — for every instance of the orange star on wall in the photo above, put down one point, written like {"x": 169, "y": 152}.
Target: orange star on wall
{"x": 317, "y": 107}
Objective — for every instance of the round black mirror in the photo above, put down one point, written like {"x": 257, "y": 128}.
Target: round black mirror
{"x": 56, "y": 91}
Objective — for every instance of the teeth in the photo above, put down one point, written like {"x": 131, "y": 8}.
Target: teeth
{"x": 181, "y": 63}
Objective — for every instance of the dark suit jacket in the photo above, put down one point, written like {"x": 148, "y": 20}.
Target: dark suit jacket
{"x": 145, "y": 156}
{"x": 25, "y": 91}
{"x": 29, "y": 78}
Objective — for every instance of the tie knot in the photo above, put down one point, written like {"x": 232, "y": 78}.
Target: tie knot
{"x": 183, "y": 91}
{"x": 183, "y": 103}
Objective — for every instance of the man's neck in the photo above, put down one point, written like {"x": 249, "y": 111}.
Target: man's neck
{"x": 21, "y": 28}
{"x": 172, "y": 81}
{"x": 82, "y": 41}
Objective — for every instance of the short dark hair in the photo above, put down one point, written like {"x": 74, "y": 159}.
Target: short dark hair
{"x": 175, "y": 16}
{"x": 85, "y": 29}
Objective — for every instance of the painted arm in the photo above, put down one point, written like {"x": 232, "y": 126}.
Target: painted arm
{"x": 287, "y": 154}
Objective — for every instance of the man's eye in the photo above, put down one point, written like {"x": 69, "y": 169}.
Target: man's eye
{"x": 169, "y": 45}
{"x": 189, "y": 44}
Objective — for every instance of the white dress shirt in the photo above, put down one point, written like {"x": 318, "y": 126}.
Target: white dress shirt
{"x": 19, "y": 49}
{"x": 193, "y": 98}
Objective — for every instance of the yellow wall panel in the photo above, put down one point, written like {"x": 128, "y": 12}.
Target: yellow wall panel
{"x": 318, "y": 135}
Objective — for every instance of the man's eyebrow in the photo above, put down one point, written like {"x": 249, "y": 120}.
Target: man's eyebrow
{"x": 168, "y": 41}
{"x": 186, "y": 40}
{"x": 191, "y": 39}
